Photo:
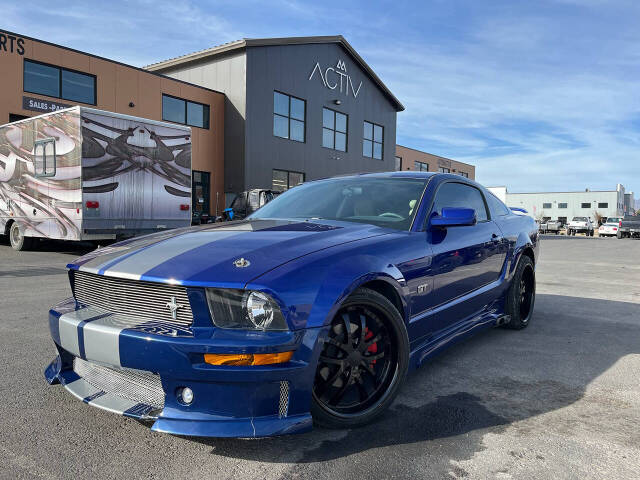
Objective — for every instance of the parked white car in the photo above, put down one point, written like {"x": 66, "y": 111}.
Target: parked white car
{"x": 580, "y": 225}
{"x": 610, "y": 227}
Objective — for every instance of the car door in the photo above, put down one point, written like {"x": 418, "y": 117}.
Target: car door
{"x": 465, "y": 258}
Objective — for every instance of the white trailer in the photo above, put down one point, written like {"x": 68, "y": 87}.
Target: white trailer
{"x": 86, "y": 174}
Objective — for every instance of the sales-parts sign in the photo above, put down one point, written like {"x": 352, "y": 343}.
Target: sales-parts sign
{"x": 39, "y": 105}
{"x": 11, "y": 44}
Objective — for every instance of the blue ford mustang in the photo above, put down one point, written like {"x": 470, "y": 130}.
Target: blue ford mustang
{"x": 312, "y": 309}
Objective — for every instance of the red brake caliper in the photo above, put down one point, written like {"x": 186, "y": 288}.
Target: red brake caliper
{"x": 373, "y": 348}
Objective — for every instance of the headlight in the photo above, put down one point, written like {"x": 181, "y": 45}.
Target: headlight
{"x": 244, "y": 309}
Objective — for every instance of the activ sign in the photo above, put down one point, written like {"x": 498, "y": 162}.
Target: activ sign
{"x": 11, "y": 44}
{"x": 336, "y": 78}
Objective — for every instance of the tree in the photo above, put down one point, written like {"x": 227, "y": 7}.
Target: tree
{"x": 597, "y": 216}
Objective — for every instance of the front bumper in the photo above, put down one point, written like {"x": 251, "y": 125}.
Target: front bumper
{"x": 229, "y": 401}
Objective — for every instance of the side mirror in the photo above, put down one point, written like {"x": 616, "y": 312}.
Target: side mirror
{"x": 454, "y": 217}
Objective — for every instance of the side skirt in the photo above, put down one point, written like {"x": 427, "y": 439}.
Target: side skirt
{"x": 461, "y": 331}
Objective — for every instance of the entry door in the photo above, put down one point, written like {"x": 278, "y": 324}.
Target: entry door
{"x": 200, "y": 196}
{"x": 465, "y": 258}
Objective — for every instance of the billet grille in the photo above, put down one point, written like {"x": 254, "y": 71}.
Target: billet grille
{"x": 135, "y": 385}
{"x": 132, "y": 297}
{"x": 283, "y": 407}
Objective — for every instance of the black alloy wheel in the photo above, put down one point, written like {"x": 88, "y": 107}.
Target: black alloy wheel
{"x": 527, "y": 291}
{"x": 362, "y": 363}
{"x": 521, "y": 295}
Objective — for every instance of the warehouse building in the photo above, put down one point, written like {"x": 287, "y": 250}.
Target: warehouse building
{"x": 566, "y": 205}
{"x": 296, "y": 109}
{"x": 412, "y": 159}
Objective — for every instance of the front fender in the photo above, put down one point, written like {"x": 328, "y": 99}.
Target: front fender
{"x": 313, "y": 288}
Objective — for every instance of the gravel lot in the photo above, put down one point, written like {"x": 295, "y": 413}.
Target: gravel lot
{"x": 560, "y": 399}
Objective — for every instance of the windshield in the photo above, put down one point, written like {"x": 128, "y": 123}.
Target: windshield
{"x": 579, "y": 219}
{"x": 386, "y": 202}
{"x": 615, "y": 220}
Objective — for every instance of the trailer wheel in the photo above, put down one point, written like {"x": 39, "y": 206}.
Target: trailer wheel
{"x": 18, "y": 241}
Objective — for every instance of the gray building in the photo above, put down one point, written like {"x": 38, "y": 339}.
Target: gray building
{"x": 566, "y": 205}
{"x": 296, "y": 109}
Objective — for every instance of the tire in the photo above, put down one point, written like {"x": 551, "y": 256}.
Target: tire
{"x": 376, "y": 331}
{"x": 519, "y": 305}
{"x": 17, "y": 239}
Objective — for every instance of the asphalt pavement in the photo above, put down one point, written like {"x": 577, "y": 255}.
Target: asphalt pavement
{"x": 560, "y": 399}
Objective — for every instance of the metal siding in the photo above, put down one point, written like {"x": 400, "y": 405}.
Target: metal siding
{"x": 226, "y": 74}
{"x": 287, "y": 69}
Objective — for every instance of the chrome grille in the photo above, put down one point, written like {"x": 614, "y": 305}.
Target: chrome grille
{"x": 132, "y": 297}
{"x": 135, "y": 385}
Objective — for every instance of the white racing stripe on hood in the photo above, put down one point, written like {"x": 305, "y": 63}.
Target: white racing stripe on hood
{"x": 134, "y": 266}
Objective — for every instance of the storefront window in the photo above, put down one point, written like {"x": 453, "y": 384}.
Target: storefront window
{"x": 179, "y": 110}
{"x": 372, "y": 141}
{"x": 334, "y": 130}
{"x": 284, "y": 180}
{"x": 59, "y": 82}
{"x": 288, "y": 117}
{"x": 421, "y": 166}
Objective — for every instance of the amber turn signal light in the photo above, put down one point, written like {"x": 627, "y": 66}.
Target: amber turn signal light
{"x": 247, "y": 358}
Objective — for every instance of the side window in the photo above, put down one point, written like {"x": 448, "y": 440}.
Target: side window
{"x": 496, "y": 207}
{"x": 44, "y": 158}
{"x": 460, "y": 195}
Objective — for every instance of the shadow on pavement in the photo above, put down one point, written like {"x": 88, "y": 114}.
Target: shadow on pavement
{"x": 57, "y": 246}
{"x": 485, "y": 384}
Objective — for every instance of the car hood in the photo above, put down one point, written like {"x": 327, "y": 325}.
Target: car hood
{"x": 209, "y": 255}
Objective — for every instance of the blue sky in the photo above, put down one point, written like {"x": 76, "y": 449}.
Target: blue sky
{"x": 539, "y": 95}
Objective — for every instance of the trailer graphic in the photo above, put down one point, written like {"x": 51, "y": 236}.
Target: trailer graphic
{"x": 86, "y": 174}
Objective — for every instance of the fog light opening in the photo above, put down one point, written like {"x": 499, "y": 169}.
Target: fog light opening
{"x": 186, "y": 395}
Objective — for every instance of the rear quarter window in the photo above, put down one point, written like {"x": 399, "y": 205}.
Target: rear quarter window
{"x": 496, "y": 207}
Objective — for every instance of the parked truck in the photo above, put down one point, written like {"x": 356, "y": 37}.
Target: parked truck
{"x": 245, "y": 203}
{"x": 629, "y": 226}
{"x": 85, "y": 174}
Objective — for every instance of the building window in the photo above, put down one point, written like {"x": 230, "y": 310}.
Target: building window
{"x": 464, "y": 174}
{"x": 562, "y": 205}
{"x": 179, "y": 110}
{"x": 585, "y": 205}
{"x": 421, "y": 166}
{"x": 284, "y": 180}
{"x": 372, "y": 141}
{"x": 334, "y": 130}
{"x": 444, "y": 170}
{"x": 603, "y": 205}
{"x": 398, "y": 164}
{"x": 288, "y": 117}
{"x": 563, "y": 220}
{"x": 58, "y": 82}
{"x": 200, "y": 193}
{"x": 546, "y": 205}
